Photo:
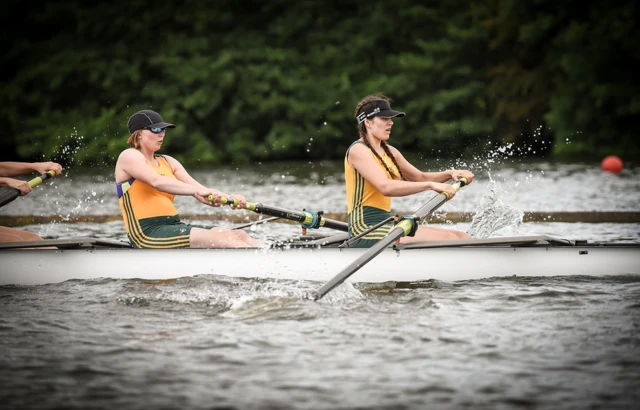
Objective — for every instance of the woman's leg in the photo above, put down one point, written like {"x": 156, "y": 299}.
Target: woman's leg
{"x": 221, "y": 238}
{"x": 16, "y": 235}
{"x": 429, "y": 233}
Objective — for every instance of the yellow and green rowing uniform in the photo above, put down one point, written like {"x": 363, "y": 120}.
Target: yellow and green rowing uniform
{"x": 150, "y": 218}
{"x": 366, "y": 206}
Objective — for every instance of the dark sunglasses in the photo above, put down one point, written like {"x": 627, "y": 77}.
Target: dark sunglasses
{"x": 155, "y": 130}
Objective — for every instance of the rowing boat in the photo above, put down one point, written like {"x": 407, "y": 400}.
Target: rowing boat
{"x": 317, "y": 258}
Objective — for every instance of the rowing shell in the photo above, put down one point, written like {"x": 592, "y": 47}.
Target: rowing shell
{"x": 313, "y": 261}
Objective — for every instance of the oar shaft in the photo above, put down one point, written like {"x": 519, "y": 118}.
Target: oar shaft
{"x": 305, "y": 218}
{"x": 430, "y": 207}
{"x": 403, "y": 228}
{"x": 433, "y": 204}
{"x": 337, "y": 225}
{"x": 380, "y": 246}
{"x": 279, "y": 212}
{"x": 437, "y": 201}
{"x": 12, "y": 193}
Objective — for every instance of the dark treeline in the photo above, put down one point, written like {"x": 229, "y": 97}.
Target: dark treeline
{"x": 279, "y": 79}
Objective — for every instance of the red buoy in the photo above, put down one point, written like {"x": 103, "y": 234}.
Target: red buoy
{"x": 612, "y": 164}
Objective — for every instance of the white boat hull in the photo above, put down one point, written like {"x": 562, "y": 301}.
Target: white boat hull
{"x": 34, "y": 267}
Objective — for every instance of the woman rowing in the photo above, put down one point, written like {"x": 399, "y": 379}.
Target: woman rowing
{"x": 375, "y": 172}
{"x": 8, "y": 170}
{"x": 147, "y": 183}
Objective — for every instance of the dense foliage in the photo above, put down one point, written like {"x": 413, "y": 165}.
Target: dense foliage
{"x": 279, "y": 79}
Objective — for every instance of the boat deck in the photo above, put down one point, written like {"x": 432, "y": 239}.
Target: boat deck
{"x": 332, "y": 241}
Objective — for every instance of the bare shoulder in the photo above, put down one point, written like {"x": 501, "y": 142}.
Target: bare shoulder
{"x": 358, "y": 150}
{"x": 128, "y": 158}
{"x": 361, "y": 158}
{"x": 130, "y": 153}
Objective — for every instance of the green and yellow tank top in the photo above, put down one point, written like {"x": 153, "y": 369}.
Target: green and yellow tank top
{"x": 143, "y": 206}
{"x": 366, "y": 206}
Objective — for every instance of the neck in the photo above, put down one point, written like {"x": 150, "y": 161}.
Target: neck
{"x": 376, "y": 144}
{"x": 148, "y": 155}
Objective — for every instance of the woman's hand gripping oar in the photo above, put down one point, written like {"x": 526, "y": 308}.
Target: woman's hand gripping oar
{"x": 11, "y": 194}
{"x": 308, "y": 219}
{"x": 406, "y": 227}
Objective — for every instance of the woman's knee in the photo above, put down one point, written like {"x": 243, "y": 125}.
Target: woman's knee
{"x": 451, "y": 236}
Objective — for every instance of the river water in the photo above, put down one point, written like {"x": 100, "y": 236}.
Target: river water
{"x": 211, "y": 342}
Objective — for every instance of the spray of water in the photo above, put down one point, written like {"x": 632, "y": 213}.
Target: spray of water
{"x": 494, "y": 217}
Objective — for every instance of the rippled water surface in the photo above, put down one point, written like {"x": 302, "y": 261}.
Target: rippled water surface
{"x": 211, "y": 342}
{"x": 320, "y": 186}
{"x": 208, "y": 342}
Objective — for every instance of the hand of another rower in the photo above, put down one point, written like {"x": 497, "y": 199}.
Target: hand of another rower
{"x": 42, "y": 167}
{"x": 22, "y": 186}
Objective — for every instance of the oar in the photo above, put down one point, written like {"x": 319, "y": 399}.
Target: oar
{"x": 406, "y": 226}
{"x": 260, "y": 222}
{"x": 11, "y": 194}
{"x": 308, "y": 219}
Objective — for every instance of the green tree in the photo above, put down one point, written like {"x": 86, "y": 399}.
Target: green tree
{"x": 270, "y": 80}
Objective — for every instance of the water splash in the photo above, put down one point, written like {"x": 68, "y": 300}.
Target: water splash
{"x": 493, "y": 215}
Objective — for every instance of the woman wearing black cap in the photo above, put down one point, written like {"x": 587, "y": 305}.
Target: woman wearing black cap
{"x": 375, "y": 172}
{"x": 147, "y": 183}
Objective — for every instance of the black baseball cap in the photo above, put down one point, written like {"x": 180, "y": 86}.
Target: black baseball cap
{"x": 146, "y": 118}
{"x": 379, "y": 108}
